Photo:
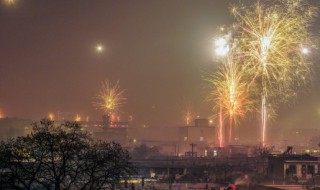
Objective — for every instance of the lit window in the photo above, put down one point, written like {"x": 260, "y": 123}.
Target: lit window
{"x": 185, "y": 138}
{"x": 201, "y": 138}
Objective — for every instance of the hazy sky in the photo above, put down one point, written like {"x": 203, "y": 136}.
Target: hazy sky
{"x": 158, "y": 50}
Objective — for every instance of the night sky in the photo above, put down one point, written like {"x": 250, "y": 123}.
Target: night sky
{"x": 158, "y": 50}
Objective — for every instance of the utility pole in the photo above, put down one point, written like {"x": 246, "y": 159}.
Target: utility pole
{"x": 192, "y": 145}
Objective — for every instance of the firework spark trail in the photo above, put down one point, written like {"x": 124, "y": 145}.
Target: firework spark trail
{"x": 221, "y": 140}
{"x": 187, "y": 111}
{"x": 110, "y": 98}
{"x": 270, "y": 42}
{"x": 188, "y": 117}
{"x": 264, "y": 119}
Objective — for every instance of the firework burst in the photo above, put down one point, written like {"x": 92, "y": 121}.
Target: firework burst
{"x": 272, "y": 46}
{"x": 264, "y": 58}
{"x": 230, "y": 94}
{"x": 187, "y": 111}
{"x": 110, "y": 98}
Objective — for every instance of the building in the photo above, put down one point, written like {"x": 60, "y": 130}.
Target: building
{"x": 197, "y": 139}
{"x": 293, "y": 168}
{"x": 112, "y": 131}
{"x": 200, "y": 132}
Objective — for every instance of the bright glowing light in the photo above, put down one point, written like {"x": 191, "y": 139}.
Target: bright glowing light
{"x": 99, "y": 48}
{"x": 305, "y": 51}
{"x": 9, "y": 2}
{"x": 78, "y": 118}
{"x": 222, "y": 47}
{"x": 51, "y": 116}
{"x": 221, "y": 42}
{"x": 265, "y": 46}
{"x": 222, "y": 51}
{"x": 188, "y": 117}
{"x": 110, "y": 98}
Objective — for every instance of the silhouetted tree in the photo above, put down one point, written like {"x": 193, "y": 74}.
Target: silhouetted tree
{"x": 261, "y": 154}
{"x": 61, "y": 157}
{"x": 262, "y": 151}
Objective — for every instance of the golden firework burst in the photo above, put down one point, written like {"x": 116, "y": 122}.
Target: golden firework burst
{"x": 110, "y": 98}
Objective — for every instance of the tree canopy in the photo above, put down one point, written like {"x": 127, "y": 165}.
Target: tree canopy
{"x": 61, "y": 156}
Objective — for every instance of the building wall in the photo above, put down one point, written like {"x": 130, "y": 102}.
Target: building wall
{"x": 113, "y": 134}
{"x": 197, "y": 134}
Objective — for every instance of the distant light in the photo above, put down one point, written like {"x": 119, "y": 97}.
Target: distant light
{"x": 78, "y": 118}
{"x": 210, "y": 121}
{"x": 305, "y": 51}
{"x": 215, "y": 153}
{"x": 51, "y": 116}
{"x": 99, "y": 48}
{"x": 134, "y": 140}
{"x": 9, "y": 2}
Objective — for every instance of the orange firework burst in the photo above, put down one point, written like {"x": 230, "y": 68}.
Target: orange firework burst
{"x": 230, "y": 94}
{"x": 230, "y": 90}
